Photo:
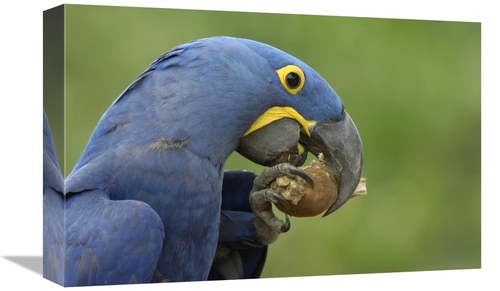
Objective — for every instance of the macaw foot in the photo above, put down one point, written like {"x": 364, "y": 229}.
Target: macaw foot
{"x": 267, "y": 225}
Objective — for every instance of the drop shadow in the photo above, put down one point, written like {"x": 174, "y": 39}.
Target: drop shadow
{"x": 32, "y": 263}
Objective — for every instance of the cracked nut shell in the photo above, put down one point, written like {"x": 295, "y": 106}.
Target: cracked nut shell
{"x": 306, "y": 201}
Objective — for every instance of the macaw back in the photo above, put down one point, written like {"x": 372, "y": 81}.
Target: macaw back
{"x": 89, "y": 239}
{"x": 147, "y": 147}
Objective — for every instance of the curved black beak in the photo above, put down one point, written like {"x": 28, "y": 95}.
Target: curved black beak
{"x": 341, "y": 146}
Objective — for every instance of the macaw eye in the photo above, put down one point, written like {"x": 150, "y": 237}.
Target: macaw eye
{"x": 292, "y": 78}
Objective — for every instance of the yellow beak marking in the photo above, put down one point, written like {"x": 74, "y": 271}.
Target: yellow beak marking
{"x": 275, "y": 113}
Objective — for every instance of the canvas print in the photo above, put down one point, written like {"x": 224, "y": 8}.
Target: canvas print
{"x": 186, "y": 145}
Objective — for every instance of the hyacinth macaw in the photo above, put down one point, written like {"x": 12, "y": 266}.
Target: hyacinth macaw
{"x": 149, "y": 200}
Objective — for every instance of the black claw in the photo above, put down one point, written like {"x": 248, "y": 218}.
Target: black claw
{"x": 286, "y": 227}
{"x": 281, "y": 200}
{"x": 303, "y": 175}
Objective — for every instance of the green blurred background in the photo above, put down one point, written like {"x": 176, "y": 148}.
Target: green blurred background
{"x": 412, "y": 87}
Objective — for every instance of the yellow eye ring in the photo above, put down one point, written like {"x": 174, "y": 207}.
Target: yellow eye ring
{"x": 292, "y": 78}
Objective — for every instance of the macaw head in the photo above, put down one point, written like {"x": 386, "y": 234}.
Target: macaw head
{"x": 306, "y": 115}
{"x": 220, "y": 94}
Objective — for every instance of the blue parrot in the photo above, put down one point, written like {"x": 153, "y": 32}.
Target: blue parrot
{"x": 149, "y": 200}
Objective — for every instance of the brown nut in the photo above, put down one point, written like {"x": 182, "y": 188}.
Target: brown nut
{"x": 306, "y": 201}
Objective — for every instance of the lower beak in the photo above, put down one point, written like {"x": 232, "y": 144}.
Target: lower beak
{"x": 275, "y": 143}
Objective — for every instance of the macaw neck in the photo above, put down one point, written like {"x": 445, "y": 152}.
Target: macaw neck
{"x": 185, "y": 100}
{"x": 208, "y": 131}
{"x": 123, "y": 134}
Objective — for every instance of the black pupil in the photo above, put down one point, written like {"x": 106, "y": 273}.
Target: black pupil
{"x": 293, "y": 80}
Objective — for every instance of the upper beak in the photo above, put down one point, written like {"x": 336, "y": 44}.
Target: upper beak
{"x": 341, "y": 146}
